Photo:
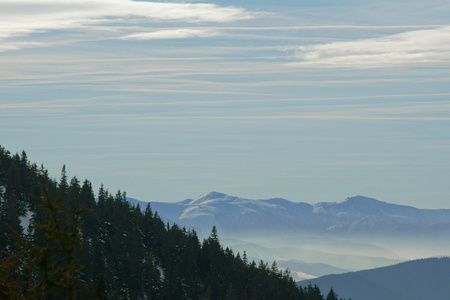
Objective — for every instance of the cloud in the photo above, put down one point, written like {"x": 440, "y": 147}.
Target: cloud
{"x": 20, "y": 18}
{"x": 413, "y": 48}
{"x": 18, "y": 45}
{"x": 316, "y": 27}
{"x": 180, "y": 33}
{"x": 298, "y": 117}
{"x": 360, "y": 163}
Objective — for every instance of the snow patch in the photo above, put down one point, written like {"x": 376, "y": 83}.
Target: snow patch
{"x": 319, "y": 210}
{"x": 196, "y": 211}
{"x": 247, "y": 210}
{"x": 25, "y": 220}
{"x": 2, "y": 192}
{"x": 302, "y": 276}
{"x": 161, "y": 273}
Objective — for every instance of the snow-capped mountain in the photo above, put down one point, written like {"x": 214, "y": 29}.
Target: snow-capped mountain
{"x": 354, "y": 215}
{"x": 354, "y": 234}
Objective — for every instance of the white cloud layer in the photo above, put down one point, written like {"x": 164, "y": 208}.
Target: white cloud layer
{"x": 431, "y": 47}
{"x": 180, "y": 33}
{"x": 25, "y": 17}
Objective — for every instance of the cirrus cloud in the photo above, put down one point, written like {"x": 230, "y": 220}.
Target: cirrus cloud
{"x": 419, "y": 47}
{"x": 21, "y": 18}
{"x": 180, "y": 33}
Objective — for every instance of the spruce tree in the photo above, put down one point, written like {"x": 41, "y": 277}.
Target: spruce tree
{"x": 63, "y": 185}
{"x": 332, "y": 295}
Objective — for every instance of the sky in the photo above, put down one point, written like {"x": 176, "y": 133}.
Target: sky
{"x": 305, "y": 100}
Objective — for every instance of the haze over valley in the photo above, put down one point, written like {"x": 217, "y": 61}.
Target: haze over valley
{"x": 353, "y": 234}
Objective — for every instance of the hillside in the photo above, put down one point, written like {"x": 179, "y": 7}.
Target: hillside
{"x": 412, "y": 280}
{"x": 124, "y": 252}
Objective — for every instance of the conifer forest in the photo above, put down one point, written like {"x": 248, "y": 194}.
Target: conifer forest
{"x": 60, "y": 241}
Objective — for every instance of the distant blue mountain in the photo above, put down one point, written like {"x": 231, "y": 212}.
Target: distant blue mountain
{"x": 135, "y": 202}
{"x": 354, "y": 215}
{"x": 354, "y": 234}
{"x": 413, "y": 280}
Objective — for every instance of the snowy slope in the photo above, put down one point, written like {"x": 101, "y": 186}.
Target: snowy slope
{"x": 354, "y": 215}
{"x": 353, "y": 234}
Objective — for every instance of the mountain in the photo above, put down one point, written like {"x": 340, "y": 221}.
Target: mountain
{"x": 354, "y": 215}
{"x": 412, "y": 280}
{"x": 354, "y": 234}
{"x": 136, "y": 202}
{"x": 309, "y": 270}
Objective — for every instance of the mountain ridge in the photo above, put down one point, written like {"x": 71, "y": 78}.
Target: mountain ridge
{"x": 353, "y": 234}
{"x": 401, "y": 281}
{"x": 353, "y": 215}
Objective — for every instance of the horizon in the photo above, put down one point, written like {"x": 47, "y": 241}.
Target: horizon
{"x": 309, "y": 101}
{"x": 278, "y": 198}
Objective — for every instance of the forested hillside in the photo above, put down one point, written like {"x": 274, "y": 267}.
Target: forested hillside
{"x": 120, "y": 251}
{"x": 413, "y": 280}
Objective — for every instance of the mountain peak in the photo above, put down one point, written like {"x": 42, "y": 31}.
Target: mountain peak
{"x": 358, "y": 199}
{"x": 209, "y": 196}
{"x": 213, "y": 195}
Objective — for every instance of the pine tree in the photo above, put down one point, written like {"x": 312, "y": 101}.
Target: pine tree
{"x": 63, "y": 185}
{"x": 244, "y": 258}
{"x": 332, "y": 295}
{"x": 49, "y": 268}
{"x": 102, "y": 194}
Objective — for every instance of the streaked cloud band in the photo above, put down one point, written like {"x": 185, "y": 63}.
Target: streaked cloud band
{"x": 419, "y": 47}
{"x": 25, "y": 17}
{"x": 180, "y": 33}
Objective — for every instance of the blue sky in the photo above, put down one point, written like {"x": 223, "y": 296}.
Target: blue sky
{"x": 306, "y": 100}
